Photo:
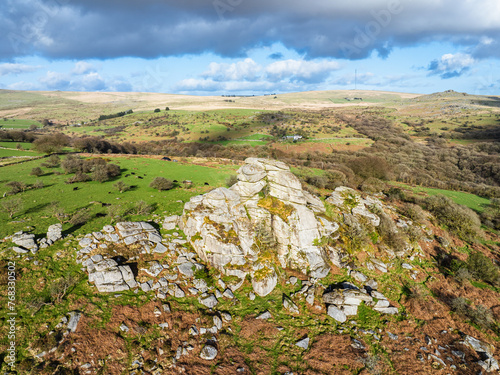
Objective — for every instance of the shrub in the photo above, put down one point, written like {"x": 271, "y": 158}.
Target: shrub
{"x": 12, "y": 206}
{"x": 336, "y": 179}
{"x": 413, "y": 212}
{"x": 51, "y": 143}
{"x": 389, "y": 233}
{"x": 121, "y": 186}
{"x": 482, "y": 268}
{"x": 37, "y": 171}
{"x": 78, "y": 177}
{"x": 491, "y": 215}
{"x": 142, "y": 208}
{"x": 318, "y": 181}
{"x": 72, "y": 164}
{"x": 38, "y": 184}
{"x": 353, "y": 234}
{"x": 372, "y": 185}
{"x": 231, "y": 180}
{"x": 113, "y": 170}
{"x": 459, "y": 219}
{"x": 161, "y": 183}
{"x": 395, "y": 194}
{"x": 16, "y": 187}
{"x": 58, "y": 212}
{"x": 100, "y": 175}
{"x": 462, "y": 275}
{"x": 115, "y": 213}
{"x": 480, "y": 315}
{"x": 80, "y": 217}
{"x": 371, "y": 166}
{"x": 53, "y": 161}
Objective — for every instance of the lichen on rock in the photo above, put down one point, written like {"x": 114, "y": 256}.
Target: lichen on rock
{"x": 224, "y": 225}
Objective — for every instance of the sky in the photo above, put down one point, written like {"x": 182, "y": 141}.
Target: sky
{"x": 251, "y": 47}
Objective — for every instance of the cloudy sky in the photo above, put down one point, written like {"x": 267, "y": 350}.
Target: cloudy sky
{"x": 213, "y": 47}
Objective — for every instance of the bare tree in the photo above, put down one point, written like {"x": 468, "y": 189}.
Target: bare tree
{"x": 12, "y": 206}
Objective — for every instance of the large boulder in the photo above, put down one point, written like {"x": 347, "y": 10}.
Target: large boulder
{"x": 54, "y": 232}
{"x": 263, "y": 220}
{"x": 108, "y": 276}
{"x": 25, "y": 241}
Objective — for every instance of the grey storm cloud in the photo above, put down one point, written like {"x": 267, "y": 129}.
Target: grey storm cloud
{"x": 82, "y": 29}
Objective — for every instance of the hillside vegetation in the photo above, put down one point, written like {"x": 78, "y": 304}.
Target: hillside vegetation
{"x": 195, "y": 235}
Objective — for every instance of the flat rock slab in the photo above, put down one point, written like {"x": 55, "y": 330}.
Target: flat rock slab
{"x": 208, "y": 352}
{"x": 187, "y": 269}
{"x": 336, "y": 314}
{"x": 210, "y": 301}
{"x": 304, "y": 343}
{"x": 264, "y": 316}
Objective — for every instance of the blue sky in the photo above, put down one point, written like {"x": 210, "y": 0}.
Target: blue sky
{"x": 213, "y": 47}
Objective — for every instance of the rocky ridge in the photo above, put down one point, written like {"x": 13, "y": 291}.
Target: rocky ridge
{"x": 263, "y": 224}
{"x": 234, "y": 229}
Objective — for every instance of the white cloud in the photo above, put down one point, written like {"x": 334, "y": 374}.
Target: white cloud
{"x": 245, "y": 70}
{"x": 451, "y": 65}
{"x": 196, "y": 84}
{"x": 83, "y": 67}
{"x": 301, "y": 70}
{"x": 23, "y": 85}
{"x": 91, "y": 82}
{"x": 10, "y": 68}
{"x": 457, "y": 61}
{"x": 55, "y": 81}
{"x": 248, "y": 75}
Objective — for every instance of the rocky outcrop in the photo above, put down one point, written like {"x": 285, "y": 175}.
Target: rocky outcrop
{"x": 343, "y": 300}
{"x": 265, "y": 219}
{"x": 350, "y": 201}
{"x": 108, "y": 276}
{"x": 485, "y": 352}
{"x": 25, "y": 242}
{"x": 54, "y": 233}
{"x": 140, "y": 234}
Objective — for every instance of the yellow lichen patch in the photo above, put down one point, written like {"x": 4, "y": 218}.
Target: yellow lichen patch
{"x": 229, "y": 236}
{"x": 276, "y": 207}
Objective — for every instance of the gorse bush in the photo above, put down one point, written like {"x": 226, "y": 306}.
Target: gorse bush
{"x": 458, "y": 219}
{"x": 121, "y": 186}
{"x": 231, "y": 180}
{"x": 414, "y": 212}
{"x": 16, "y": 187}
{"x": 37, "y": 171}
{"x": 389, "y": 233}
{"x": 52, "y": 161}
{"x": 482, "y": 268}
{"x": 372, "y": 185}
{"x": 371, "y": 166}
{"x": 161, "y": 183}
{"x": 479, "y": 315}
{"x": 100, "y": 170}
{"x": 142, "y": 208}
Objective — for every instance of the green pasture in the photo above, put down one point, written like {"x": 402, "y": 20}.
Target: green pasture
{"x": 472, "y": 201}
{"x": 12, "y": 144}
{"x": 18, "y": 123}
{"x": 35, "y": 212}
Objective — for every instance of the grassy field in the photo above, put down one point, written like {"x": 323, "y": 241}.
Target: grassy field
{"x": 10, "y": 144}
{"x": 35, "y": 212}
{"x": 18, "y": 124}
{"x": 472, "y": 201}
{"x": 8, "y": 153}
